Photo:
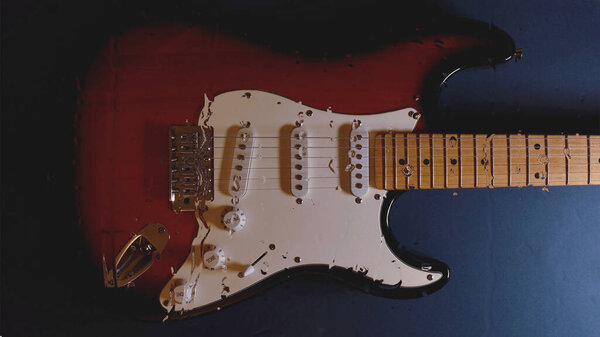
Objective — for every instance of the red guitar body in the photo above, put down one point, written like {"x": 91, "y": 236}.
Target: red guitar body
{"x": 149, "y": 78}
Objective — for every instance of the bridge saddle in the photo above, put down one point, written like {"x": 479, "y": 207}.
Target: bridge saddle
{"x": 191, "y": 166}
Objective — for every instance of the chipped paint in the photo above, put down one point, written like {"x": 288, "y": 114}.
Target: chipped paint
{"x": 205, "y": 113}
{"x": 337, "y": 240}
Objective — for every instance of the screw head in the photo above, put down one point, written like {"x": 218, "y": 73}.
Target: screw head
{"x": 358, "y": 200}
{"x": 297, "y": 259}
{"x": 299, "y": 201}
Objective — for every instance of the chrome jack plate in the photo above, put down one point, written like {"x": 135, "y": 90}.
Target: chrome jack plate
{"x": 136, "y": 256}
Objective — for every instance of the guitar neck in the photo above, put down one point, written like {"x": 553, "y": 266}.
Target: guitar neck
{"x": 404, "y": 161}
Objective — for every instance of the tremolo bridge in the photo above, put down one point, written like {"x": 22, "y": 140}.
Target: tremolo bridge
{"x": 191, "y": 168}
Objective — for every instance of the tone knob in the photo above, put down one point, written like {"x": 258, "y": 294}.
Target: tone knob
{"x": 214, "y": 258}
{"x": 235, "y": 219}
{"x": 182, "y": 292}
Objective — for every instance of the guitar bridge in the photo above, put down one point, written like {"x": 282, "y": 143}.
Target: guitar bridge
{"x": 191, "y": 167}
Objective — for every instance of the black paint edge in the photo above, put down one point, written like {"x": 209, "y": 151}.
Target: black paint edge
{"x": 347, "y": 276}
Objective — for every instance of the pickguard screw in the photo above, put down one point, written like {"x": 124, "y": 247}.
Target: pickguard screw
{"x": 299, "y": 201}
{"x": 161, "y": 229}
{"x": 358, "y": 200}
{"x": 272, "y": 246}
{"x": 297, "y": 259}
{"x": 377, "y": 196}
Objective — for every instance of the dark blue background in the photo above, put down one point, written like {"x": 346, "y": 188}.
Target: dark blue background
{"x": 524, "y": 262}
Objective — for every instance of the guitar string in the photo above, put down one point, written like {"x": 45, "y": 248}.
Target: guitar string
{"x": 461, "y": 174}
{"x": 557, "y": 175}
{"x": 457, "y": 156}
{"x": 541, "y": 147}
{"x": 433, "y": 147}
{"x": 447, "y": 136}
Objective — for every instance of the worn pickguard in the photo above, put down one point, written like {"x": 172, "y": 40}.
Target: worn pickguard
{"x": 330, "y": 227}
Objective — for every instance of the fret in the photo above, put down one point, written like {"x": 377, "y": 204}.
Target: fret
{"x": 594, "y": 157}
{"x": 389, "y": 161}
{"x": 378, "y": 160}
{"x": 425, "y": 162}
{"x": 577, "y": 160}
{"x": 467, "y": 160}
{"x": 517, "y": 148}
{"x": 437, "y": 161}
{"x": 499, "y": 158}
{"x": 413, "y": 160}
{"x": 401, "y": 161}
{"x": 537, "y": 160}
{"x": 483, "y": 175}
{"x": 452, "y": 161}
{"x": 557, "y": 160}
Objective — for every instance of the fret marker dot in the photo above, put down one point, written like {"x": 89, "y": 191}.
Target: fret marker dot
{"x": 537, "y": 146}
{"x": 425, "y": 161}
{"x": 453, "y": 161}
{"x": 402, "y": 162}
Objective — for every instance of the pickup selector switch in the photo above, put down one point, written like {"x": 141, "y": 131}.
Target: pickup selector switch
{"x": 235, "y": 219}
{"x": 214, "y": 258}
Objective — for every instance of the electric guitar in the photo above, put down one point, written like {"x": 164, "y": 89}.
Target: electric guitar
{"x": 210, "y": 166}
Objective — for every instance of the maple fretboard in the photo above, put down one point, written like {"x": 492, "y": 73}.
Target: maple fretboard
{"x": 403, "y": 161}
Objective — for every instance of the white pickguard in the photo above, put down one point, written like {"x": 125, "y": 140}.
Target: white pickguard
{"x": 328, "y": 228}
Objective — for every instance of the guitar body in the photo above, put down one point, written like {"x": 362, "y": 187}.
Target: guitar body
{"x": 153, "y": 77}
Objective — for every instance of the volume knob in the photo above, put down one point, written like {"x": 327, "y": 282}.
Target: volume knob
{"x": 235, "y": 219}
{"x": 214, "y": 258}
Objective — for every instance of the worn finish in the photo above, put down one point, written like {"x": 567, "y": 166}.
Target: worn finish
{"x": 327, "y": 229}
{"x": 465, "y": 160}
{"x": 157, "y": 76}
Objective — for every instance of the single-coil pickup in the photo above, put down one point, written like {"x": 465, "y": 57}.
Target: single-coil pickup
{"x": 299, "y": 161}
{"x": 359, "y": 160}
{"x": 240, "y": 165}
